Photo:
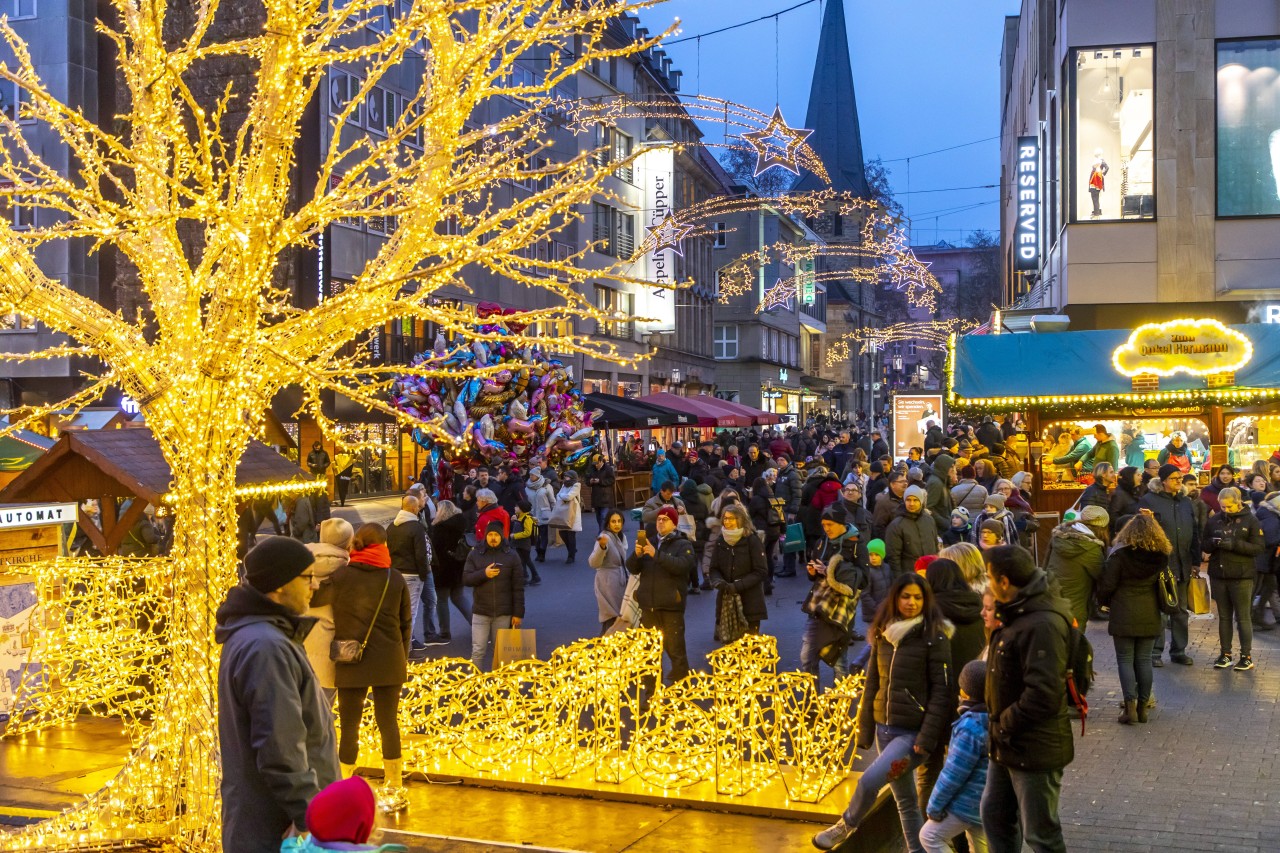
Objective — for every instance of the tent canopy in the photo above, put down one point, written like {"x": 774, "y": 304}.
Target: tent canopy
{"x": 705, "y": 409}
{"x": 625, "y": 413}
{"x": 758, "y": 417}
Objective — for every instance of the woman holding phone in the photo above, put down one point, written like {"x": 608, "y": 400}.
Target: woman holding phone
{"x": 608, "y": 558}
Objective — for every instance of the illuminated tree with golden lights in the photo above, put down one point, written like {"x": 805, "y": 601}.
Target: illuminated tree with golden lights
{"x": 199, "y": 198}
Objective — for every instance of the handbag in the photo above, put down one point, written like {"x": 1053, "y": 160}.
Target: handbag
{"x": 1167, "y": 592}
{"x": 349, "y": 651}
{"x": 831, "y": 605}
{"x": 461, "y": 549}
{"x": 731, "y": 621}
{"x": 795, "y": 542}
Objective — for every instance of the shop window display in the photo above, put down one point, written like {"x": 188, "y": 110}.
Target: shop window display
{"x": 1251, "y": 438}
{"x": 1151, "y": 435}
{"x": 1249, "y": 127}
{"x": 1113, "y": 146}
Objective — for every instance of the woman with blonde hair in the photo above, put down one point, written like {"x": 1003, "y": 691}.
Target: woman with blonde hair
{"x": 1130, "y": 587}
{"x": 969, "y": 558}
{"x": 332, "y": 552}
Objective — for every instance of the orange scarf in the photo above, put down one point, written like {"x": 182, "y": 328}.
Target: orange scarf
{"x": 373, "y": 555}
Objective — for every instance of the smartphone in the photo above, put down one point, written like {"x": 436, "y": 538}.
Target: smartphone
{"x": 642, "y": 537}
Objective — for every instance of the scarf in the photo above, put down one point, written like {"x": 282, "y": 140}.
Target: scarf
{"x": 732, "y": 536}
{"x": 373, "y": 555}
{"x": 896, "y": 631}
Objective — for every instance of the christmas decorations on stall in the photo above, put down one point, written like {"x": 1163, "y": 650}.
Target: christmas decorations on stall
{"x": 521, "y": 405}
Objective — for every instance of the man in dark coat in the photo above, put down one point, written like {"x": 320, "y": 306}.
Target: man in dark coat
{"x": 274, "y": 732}
{"x": 496, "y": 576}
{"x": 788, "y": 490}
{"x": 1027, "y": 700}
{"x": 600, "y": 477}
{"x": 664, "y": 566}
{"x": 888, "y": 505}
{"x": 879, "y": 447}
{"x": 317, "y": 460}
{"x": 1173, "y": 510}
{"x": 912, "y": 534}
{"x": 407, "y": 542}
{"x": 988, "y": 433}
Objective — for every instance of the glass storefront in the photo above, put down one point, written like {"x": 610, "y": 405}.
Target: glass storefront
{"x": 1156, "y": 433}
{"x": 1251, "y": 438}
{"x": 1249, "y": 127}
{"x": 384, "y": 462}
{"x": 1113, "y": 139}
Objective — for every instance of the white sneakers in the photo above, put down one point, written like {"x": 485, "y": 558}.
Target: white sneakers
{"x": 833, "y": 836}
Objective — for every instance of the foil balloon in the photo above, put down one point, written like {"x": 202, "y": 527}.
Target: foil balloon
{"x": 529, "y": 408}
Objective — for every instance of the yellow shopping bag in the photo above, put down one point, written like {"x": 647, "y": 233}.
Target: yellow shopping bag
{"x": 515, "y": 644}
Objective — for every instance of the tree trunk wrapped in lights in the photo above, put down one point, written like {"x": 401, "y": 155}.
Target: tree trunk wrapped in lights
{"x": 199, "y": 197}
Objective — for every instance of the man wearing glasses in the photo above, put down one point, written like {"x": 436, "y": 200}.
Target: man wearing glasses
{"x": 275, "y": 733}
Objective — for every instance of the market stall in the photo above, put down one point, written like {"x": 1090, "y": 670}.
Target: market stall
{"x": 1213, "y": 386}
{"x": 624, "y": 419}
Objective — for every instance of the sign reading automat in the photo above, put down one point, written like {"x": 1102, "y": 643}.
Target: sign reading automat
{"x": 1027, "y": 234}
{"x": 656, "y": 171}
{"x": 1193, "y": 347}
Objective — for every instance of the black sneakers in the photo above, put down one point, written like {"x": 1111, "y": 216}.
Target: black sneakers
{"x": 1245, "y": 664}
{"x": 1223, "y": 661}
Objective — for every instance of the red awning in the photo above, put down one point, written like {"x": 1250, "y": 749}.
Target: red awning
{"x": 709, "y": 411}
{"x": 758, "y": 417}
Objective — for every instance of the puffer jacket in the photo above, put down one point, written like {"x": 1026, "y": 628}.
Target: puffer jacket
{"x": 1269, "y": 520}
{"x": 1095, "y": 495}
{"x": 1178, "y": 521}
{"x": 1123, "y": 506}
{"x": 963, "y": 608}
{"x": 1026, "y": 681}
{"x": 499, "y": 596}
{"x": 742, "y": 566}
{"x": 1075, "y": 559}
{"x": 664, "y": 577}
{"x": 1233, "y": 542}
{"x": 909, "y": 537}
{"x": 969, "y": 494}
{"x": 788, "y": 488}
{"x": 959, "y": 788}
{"x": 1128, "y": 587}
{"x": 938, "y": 500}
{"x": 910, "y": 684}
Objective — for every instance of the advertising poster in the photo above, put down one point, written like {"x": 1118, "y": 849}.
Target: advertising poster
{"x": 17, "y": 635}
{"x": 655, "y": 171}
{"x": 912, "y": 415}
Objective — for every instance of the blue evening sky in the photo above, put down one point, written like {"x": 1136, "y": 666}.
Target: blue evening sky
{"x": 926, "y": 74}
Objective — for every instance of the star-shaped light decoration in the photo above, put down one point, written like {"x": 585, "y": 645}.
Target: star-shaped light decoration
{"x": 668, "y": 234}
{"x": 778, "y": 296}
{"x": 777, "y": 144}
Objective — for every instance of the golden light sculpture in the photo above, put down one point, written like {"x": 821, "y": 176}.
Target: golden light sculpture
{"x": 929, "y": 335}
{"x": 202, "y": 199}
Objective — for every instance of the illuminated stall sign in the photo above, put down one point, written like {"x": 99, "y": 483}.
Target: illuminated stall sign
{"x": 1193, "y": 347}
{"x": 1027, "y": 235}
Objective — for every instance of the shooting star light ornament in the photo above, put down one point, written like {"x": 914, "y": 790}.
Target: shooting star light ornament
{"x": 668, "y": 234}
{"x": 777, "y": 144}
{"x": 778, "y": 296}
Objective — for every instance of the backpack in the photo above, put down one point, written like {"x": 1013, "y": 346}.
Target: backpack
{"x": 1080, "y": 672}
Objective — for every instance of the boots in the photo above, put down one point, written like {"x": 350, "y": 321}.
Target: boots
{"x": 391, "y": 796}
{"x": 348, "y": 770}
{"x": 1130, "y": 712}
{"x": 1143, "y": 709}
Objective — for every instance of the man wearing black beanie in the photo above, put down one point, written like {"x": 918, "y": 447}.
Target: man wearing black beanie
{"x": 275, "y": 734}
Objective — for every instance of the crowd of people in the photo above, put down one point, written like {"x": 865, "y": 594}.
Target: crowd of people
{"x": 968, "y": 642}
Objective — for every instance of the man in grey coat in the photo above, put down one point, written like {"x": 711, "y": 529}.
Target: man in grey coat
{"x": 274, "y": 732}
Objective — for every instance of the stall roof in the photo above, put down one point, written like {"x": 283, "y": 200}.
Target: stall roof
{"x": 757, "y": 416}
{"x": 19, "y": 450}
{"x": 127, "y": 463}
{"x": 625, "y": 413}
{"x": 1076, "y": 367}
{"x": 705, "y": 409}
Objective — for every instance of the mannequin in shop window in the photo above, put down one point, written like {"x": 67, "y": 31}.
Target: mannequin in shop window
{"x": 1097, "y": 182}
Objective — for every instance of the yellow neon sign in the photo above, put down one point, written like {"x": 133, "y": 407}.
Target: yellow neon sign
{"x": 1193, "y": 347}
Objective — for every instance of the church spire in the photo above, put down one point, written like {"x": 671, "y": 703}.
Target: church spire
{"x": 833, "y": 111}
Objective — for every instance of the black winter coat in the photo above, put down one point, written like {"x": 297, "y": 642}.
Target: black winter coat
{"x": 1233, "y": 543}
{"x": 1026, "y": 681}
{"x": 407, "y": 543}
{"x": 274, "y": 731}
{"x": 1096, "y": 495}
{"x": 445, "y": 535}
{"x": 357, "y": 588}
{"x": 1123, "y": 506}
{"x": 910, "y": 686}
{"x": 963, "y": 608}
{"x": 500, "y": 596}
{"x": 1269, "y": 521}
{"x": 664, "y": 577}
{"x": 1128, "y": 587}
{"x": 1178, "y": 520}
{"x": 743, "y": 567}
{"x": 602, "y": 493}
{"x": 764, "y": 511}
{"x": 908, "y": 538}
{"x": 788, "y": 488}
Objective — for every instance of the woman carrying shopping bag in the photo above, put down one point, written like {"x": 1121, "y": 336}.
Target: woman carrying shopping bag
{"x": 738, "y": 570}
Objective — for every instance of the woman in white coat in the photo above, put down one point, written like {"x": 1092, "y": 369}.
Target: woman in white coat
{"x": 608, "y": 558}
{"x": 567, "y": 514}
{"x": 332, "y": 552}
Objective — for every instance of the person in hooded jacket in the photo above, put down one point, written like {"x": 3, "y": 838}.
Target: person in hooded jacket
{"x": 1222, "y": 478}
{"x": 699, "y": 508}
{"x": 1031, "y": 740}
{"x": 906, "y": 708}
{"x": 1175, "y": 453}
{"x": 449, "y": 529}
{"x": 962, "y": 605}
{"x": 496, "y": 576}
{"x": 1233, "y": 540}
{"x": 1077, "y": 550}
{"x": 372, "y": 605}
{"x": 663, "y": 472}
{"x": 663, "y": 565}
{"x": 767, "y": 516}
{"x": 600, "y": 478}
{"x": 840, "y": 563}
{"x": 1266, "y": 592}
{"x": 543, "y": 497}
{"x": 968, "y": 492}
{"x": 275, "y": 735}
{"x": 1129, "y": 587}
{"x": 331, "y": 553}
{"x": 1124, "y": 500}
{"x": 942, "y": 477}
{"x": 738, "y": 564}
{"x": 912, "y": 534}
{"x": 1133, "y": 447}
{"x": 608, "y": 558}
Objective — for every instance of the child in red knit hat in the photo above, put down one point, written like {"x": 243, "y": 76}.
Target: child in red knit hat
{"x": 341, "y": 818}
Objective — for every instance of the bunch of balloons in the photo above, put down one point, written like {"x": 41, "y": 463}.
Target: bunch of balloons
{"x": 529, "y": 409}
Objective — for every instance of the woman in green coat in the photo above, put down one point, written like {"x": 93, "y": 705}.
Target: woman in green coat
{"x": 1076, "y": 553}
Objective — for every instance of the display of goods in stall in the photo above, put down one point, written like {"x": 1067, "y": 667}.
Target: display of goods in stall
{"x": 528, "y": 407}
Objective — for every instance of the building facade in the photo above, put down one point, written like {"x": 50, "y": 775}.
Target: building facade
{"x": 1140, "y": 167}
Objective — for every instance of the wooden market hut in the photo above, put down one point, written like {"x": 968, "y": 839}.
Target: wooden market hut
{"x": 115, "y": 464}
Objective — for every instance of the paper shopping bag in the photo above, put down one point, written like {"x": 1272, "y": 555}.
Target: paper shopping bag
{"x": 1198, "y": 595}
{"x": 795, "y": 542}
{"x": 515, "y": 644}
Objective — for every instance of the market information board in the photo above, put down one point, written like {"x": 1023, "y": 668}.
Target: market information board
{"x": 912, "y": 415}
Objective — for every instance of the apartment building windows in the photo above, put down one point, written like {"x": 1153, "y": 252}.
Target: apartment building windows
{"x": 725, "y": 342}
{"x": 618, "y": 303}
{"x": 18, "y": 9}
{"x": 613, "y": 230}
{"x": 720, "y": 234}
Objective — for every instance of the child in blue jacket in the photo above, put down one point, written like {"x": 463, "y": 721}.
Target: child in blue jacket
{"x": 954, "y": 805}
